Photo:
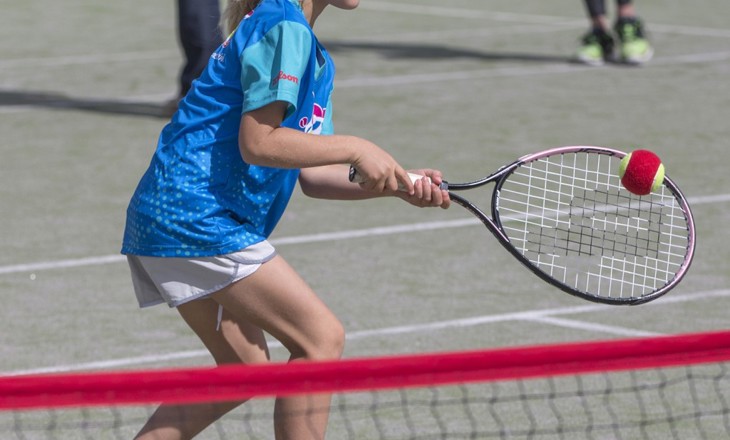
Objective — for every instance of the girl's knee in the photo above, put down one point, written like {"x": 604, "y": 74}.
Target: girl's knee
{"x": 335, "y": 344}
{"x": 328, "y": 343}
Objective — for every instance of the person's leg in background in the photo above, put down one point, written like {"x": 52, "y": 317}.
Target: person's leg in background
{"x": 199, "y": 35}
{"x": 634, "y": 47}
{"x": 597, "y": 46}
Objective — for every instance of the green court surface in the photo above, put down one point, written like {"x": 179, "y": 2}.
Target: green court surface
{"x": 464, "y": 86}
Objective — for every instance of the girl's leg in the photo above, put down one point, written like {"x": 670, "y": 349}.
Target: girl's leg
{"x": 236, "y": 342}
{"x": 276, "y": 299}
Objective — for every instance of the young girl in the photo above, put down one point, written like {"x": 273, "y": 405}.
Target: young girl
{"x": 223, "y": 172}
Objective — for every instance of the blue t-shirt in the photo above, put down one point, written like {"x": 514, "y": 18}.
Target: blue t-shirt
{"x": 198, "y": 197}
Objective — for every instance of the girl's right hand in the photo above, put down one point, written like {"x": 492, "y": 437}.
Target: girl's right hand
{"x": 380, "y": 171}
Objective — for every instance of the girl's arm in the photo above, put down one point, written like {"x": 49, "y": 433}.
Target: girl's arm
{"x": 263, "y": 141}
{"x": 325, "y": 160}
{"x": 331, "y": 182}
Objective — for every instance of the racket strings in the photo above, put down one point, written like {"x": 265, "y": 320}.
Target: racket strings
{"x": 570, "y": 216}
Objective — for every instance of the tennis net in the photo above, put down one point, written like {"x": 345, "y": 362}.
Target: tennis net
{"x": 673, "y": 387}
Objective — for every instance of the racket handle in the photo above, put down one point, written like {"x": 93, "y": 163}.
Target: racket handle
{"x": 356, "y": 177}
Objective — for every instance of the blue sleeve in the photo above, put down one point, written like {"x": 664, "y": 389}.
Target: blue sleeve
{"x": 272, "y": 68}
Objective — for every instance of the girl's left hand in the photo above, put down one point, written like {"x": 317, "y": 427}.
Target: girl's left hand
{"x": 427, "y": 194}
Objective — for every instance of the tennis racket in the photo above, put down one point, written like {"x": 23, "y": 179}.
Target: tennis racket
{"x": 564, "y": 214}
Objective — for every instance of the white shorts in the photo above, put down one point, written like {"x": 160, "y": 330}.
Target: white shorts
{"x": 176, "y": 281}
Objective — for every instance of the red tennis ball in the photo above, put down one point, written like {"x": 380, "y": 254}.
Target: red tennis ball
{"x": 641, "y": 172}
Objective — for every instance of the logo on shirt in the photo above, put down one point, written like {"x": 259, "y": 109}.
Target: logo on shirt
{"x": 284, "y": 77}
{"x": 315, "y": 124}
{"x": 218, "y": 54}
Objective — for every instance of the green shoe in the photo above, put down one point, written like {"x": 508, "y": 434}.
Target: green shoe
{"x": 635, "y": 48}
{"x": 596, "y": 48}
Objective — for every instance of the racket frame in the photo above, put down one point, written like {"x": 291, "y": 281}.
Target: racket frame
{"x": 495, "y": 226}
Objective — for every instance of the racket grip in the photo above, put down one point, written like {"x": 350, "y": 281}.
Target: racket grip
{"x": 356, "y": 177}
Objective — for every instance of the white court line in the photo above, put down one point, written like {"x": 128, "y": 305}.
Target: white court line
{"x": 510, "y": 17}
{"x": 97, "y": 58}
{"x": 690, "y": 30}
{"x": 433, "y": 77}
{"x": 511, "y": 71}
{"x": 405, "y": 8}
{"x": 309, "y": 238}
{"x": 545, "y": 316}
{"x": 456, "y": 76}
{"x": 299, "y": 239}
{"x": 476, "y": 14}
{"x": 702, "y": 200}
{"x": 372, "y": 232}
{"x": 61, "y": 264}
{"x": 592, "y": 327}
{"x": 461, "y": 33}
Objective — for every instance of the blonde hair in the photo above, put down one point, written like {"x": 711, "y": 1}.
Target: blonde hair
{"x": 234, "y": 13}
